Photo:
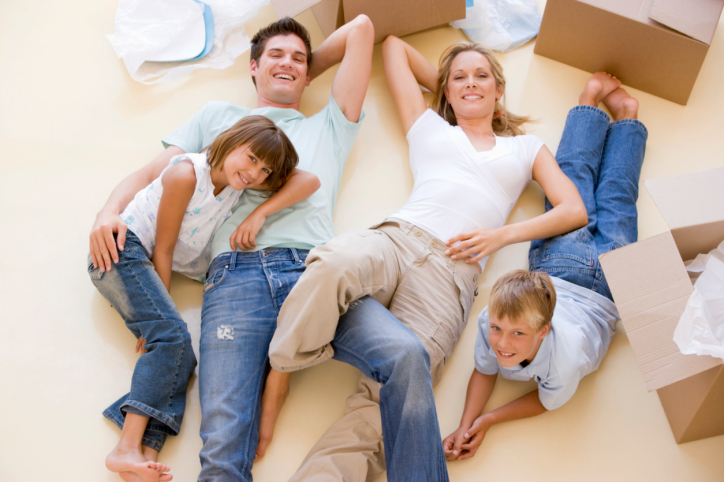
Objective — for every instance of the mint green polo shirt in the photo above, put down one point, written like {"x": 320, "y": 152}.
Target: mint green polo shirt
{"x": 323, "y": 142}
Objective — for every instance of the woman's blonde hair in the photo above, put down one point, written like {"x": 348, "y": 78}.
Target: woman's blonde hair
{"x": 265, "y": 140}
{"x": 522, "y": 296}
{"x": 507, "y": 124}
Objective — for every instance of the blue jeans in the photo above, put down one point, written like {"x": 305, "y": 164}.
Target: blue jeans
{"x": 604, "y": 162}
{"x": 242, "y": 297}
{"x": 161, "y": 375}
{"x": 373, "y": 340}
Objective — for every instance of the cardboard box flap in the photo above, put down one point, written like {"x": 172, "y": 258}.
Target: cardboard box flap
{"x": 634, "y": 9}
{"x": 651, "y": 288}
{"x": 292, "y": 8}
{"x": 689, "y": 199}
{"x": 696, "y": 18}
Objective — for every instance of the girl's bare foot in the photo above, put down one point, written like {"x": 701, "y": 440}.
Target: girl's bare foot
{"x": 132, "y": 465}
{"x": 621, "y": 105}
{"x": 597, "y": 88}
{"x": 272, "y": 401}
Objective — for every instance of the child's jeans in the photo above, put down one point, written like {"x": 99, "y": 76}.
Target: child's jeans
{"x": 604, "y": 162}
{"x": 160, "y": 379}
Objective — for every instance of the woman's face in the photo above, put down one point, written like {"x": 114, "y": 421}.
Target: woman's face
{"x": 471, "y": 89}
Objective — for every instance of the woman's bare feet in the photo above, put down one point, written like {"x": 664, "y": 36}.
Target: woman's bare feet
{"x": 597, "y": 88}
{"x": 272, "y": 401}
{"x": 132, "y": 466}
{"x": 621, "y": 105}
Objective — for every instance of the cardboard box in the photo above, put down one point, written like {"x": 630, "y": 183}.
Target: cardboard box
{"x": 390, "y": 17}
{"x": 651, "y": 288}
{"x": 657, "y": 46}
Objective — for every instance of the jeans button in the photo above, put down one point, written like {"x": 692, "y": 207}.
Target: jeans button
{"x": 266, "y": 255}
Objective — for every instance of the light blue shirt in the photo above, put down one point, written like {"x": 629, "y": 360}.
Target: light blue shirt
{"x": 581, "y": 330}
{"x": 323, "y": 142}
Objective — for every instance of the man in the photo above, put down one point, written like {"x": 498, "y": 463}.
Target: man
{"x": 244, "y": 290}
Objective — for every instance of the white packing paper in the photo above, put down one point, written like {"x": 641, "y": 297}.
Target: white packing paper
{"x": 144, "y": 26}
{"x": 700, "y": 330}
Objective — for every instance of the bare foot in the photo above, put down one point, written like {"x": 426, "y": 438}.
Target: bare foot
{"x": 272, "y": 401}
{"x": 597, "y": 88}
{"x": 133, "y": 466}
{"x": 621, "y": 105}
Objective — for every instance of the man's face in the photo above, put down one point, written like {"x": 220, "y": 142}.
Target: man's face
{"x": 281, "y": 73}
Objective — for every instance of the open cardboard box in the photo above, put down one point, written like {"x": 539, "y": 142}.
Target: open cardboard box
{"x": 657, "y": 46}
{"x": 651, "y": 288}
{"x": 390, "y": 17}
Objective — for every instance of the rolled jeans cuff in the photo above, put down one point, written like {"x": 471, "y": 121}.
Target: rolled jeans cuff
{"x": 154, "y": 436}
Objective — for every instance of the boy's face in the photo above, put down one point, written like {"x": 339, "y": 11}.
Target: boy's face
{"x": 514, "y": 341}
{"x": 281, "y": 73}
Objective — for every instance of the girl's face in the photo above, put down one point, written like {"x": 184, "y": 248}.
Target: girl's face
{"x": 514, "y": 342}
{"x": 244, "y": 170}
{"x": 471, "y": 89}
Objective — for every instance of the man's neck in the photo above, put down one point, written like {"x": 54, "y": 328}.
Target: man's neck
{"x": 264, "y": 102}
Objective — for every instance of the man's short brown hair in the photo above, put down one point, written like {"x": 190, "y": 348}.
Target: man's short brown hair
{"x": 284, "y": 26}
{"x": 522, "y": 296}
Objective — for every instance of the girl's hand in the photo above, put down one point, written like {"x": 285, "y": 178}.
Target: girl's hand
{"x": 102, "y": 245}
{"x": 481, "y": 243}
{"x": 245, "y": 235}
{"x": 452, "y": 443}
{"x": 140, "y": 346}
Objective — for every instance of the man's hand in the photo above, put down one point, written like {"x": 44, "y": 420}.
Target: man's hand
{"x": 102, "y": 245}
{"x": 480, "y": 242}
{"x": 245, "y": 235}
{"x": 451, "y": 444}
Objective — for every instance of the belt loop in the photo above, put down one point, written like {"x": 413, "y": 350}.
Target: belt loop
{"x": 232, "y": 264}
{"x": 297, "y": 260}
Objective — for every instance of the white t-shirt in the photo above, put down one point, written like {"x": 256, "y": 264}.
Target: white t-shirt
{"x": 202, "y": 218}
{"x": 581, "y": 330}
{"x": 458, "y": 189}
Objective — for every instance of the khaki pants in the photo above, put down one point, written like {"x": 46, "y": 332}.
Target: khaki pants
{"x": 405, "y": 269}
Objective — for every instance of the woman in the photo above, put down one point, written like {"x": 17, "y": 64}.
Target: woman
{"x": 470, "y": 163}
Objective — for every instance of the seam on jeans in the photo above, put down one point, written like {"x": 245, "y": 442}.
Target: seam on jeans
{"x": 372, "y": 371}
{"x": 172, "y": 423}
{"x": 257, "y": 404}
{"x": 154, "y": 413}
{"x": 634, "y": 122}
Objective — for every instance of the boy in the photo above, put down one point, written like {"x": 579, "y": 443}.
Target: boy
{"x": 555, "y": 323}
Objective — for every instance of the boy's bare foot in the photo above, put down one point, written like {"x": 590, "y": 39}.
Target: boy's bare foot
{"x": 132, "y": 465}
{"x": 597, "y": 88}
{"x": 621, "y": 105}
{"x": 272, "y": 401}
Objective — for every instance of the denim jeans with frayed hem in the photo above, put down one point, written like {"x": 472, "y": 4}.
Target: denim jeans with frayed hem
{"x": 242, "y": 297}
{"x": 603, "y": 159}
{"x": 161, "y": 375}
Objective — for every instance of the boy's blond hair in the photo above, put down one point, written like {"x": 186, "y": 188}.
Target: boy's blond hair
{"x": 522, "y": 296}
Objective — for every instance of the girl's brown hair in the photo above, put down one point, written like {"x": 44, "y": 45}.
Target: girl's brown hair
{"x": 265, "y": 140}
{"x": 522, "y": 296}
{"x": 506, "y": 124}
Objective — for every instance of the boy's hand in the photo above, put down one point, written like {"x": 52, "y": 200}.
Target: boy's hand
{"x": 452, "y": 443}
{"x": 245, "y": 235}
{"x": 473, "y": 438}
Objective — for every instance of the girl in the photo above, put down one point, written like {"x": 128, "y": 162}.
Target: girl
{"x": 170, "y": 226}
{"x": 470, "y": 164}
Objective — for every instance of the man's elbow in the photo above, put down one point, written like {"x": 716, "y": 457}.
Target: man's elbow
{"x": 362, "y": 25}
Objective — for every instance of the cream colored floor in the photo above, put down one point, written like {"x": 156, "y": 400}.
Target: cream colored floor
{"x": 73, "y": 123}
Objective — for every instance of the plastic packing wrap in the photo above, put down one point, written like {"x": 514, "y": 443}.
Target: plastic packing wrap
{"x": 145, "y": 26}
{"x": 501, "y": 25}
{"x": 700, "y": 330}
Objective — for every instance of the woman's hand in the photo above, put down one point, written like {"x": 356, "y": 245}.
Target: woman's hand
{"x": 245, "y": 235}
{"x": 140, "y": 346}
{"x": 477, "y": 244}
